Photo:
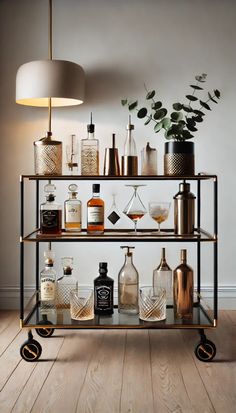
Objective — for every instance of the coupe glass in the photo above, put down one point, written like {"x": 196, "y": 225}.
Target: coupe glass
{"x": 135, "y": 209}
{"x": 159, "y": 211}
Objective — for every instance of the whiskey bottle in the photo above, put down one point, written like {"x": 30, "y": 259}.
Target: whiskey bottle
{"x": 128, "y": 284}
{"x": 162, "y": 277}
{"x": 95, "y": 212}
{"x": 65, "y": 284}
{"x": 47, "y": 282}
{"x": 103, "y": 291}
{"x": 50, "y": 213}
{"x": 72, "y": 209}
{"x": 129, "y": 161}
{"x": 183, "y": 289}
{"x": 90, "y": 152}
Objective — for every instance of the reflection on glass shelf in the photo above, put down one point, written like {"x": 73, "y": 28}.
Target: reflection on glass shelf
{"x": 61, "y": 318}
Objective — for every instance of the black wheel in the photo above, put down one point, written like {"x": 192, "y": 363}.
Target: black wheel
{"x": 31, "y": 350}
{"x": 45, "y": 332}
{"x": 205, "y": 350}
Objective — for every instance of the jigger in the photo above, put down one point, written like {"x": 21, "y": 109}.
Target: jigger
{"x": 111, "y": 161}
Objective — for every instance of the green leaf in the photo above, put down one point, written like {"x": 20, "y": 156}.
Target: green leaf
{"x": 210, "y": 97}
{"x": 197, "y": 118}
{"x": 205, "y": 105}
{"x": 159, "y": 114}
{"x": 191, "y": 128}
{"x": 192, "y": 98}
{"x": 177, "y": 106}
{"x": 142, "y": 113}
{"x": 186, "y": 134}
{"x": 156, "y": 105}
{"x": 158, "y": 127}
{"x": 196, "y": 87}
{"x": 150, "y": 95}
{"x": 217, "y": 93}
{"x": 133, "y": 105}
{"x": 187, "y": 108}
{"x": 124, "y": 102}
{"x": 198, "y": 112}
{"x": 166, "y": 123}
{"x": 176, "y": 116}
{"x": 201, "y": 78}
{"x": 148, "y": 121}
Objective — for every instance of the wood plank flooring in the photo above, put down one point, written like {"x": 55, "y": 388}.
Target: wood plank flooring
{"x": 115, "y": 371}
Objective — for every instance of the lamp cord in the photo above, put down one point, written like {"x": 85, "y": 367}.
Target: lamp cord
{"x": 50, "y": 58}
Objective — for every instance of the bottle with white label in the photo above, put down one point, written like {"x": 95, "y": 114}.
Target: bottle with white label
{"x": 72, "y": 208}
{"x": 103, "y": 291}
{"x": 95, "y": 212}
{"x": 48, "y": 282}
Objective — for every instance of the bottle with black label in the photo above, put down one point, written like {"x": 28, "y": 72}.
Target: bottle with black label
{"x": 103, "y": 291}
{"x": 50, "y": 213}
{"x": 95, "y": 212}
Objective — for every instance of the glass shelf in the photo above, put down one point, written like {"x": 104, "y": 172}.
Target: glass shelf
{"x": 142, "y": 235}
{"x": 62, "y": 319}
{"x": 199, "y": 177}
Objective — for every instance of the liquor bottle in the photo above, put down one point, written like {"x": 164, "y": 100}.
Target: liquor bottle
{"x": 184, "y": 210}
{"x": 50, "y": 213}
{"x": 47, "y": 282}
{"x": 103, "y": 291}
{"x": 65, "y": 284}
{"x": 90, "y": 152}
{"x": 128, "y": 284}
{"x": 162, "y": 277}
{"x": 129, "y": 161}
{"x": 183, "y": 289}
{"x": 72, "y": 208}
{"x": 95, "y": 212}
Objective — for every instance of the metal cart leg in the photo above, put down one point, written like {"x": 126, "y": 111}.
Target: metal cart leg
{"x": 31, "y": 349}
{"x": 206, "y": 349}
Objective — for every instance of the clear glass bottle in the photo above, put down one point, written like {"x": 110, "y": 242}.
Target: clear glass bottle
{"x": 65, "y": 284}
{"x": 162, "y": 277}
{"x": 47, "y": 282}
{"x": 50, "y": 213}
{"x": 72, "y": 210}
{"x": 128, "y": 284}
{"x": 183, "y": 289}
{"x": 148, "y": 160}
{"x": 103, "y": 291}
{"x": 72, "y": 153}
{"x": 90, "y": 152}
{"x": 129, "y": 161}
{"x": 95, "y": 212}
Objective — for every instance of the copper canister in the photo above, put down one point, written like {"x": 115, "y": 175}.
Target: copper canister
{"x": 48, "y": 156}
{"x": 183, "y": 289}
{"x": 184, "y": 210}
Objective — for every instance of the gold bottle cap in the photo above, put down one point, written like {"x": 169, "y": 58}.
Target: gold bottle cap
{"x": 183, "y": 255}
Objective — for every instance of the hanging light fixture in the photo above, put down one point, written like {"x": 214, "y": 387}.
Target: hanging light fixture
{"x": 49, "y": 83}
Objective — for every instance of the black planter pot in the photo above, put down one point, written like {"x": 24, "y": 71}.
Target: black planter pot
{"x": 179, "y": 158}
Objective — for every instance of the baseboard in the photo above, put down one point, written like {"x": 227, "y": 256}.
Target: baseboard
{"x": 10, "y": 296}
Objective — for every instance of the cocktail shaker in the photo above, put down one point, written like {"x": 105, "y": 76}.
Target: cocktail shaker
{"x": 111, "y": 160}
{"x": 184, "y": 210}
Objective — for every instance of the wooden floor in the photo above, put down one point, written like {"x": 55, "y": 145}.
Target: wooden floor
{"x": 118, "y": 371}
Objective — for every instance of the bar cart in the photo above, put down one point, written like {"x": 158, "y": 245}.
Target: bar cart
{"x": 31, "y": 316}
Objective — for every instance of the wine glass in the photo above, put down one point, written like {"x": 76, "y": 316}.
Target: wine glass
{"x": 159, "y": 211}
{"x": 135, "y": 209}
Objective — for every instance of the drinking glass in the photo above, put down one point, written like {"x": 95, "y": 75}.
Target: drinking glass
{"x": 159, "y": 211}
{"x": 152, "y": 304}
{"x": 135, "y": 209}
{"x": 82, "y": 304}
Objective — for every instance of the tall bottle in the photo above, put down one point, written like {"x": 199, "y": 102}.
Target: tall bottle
{"x": 72, "y": 209}
{"x": 129, "y": 161}
{"x": 184, "y": 210}
{"x": 65, "y": 284}
{"x": 48, "y": 282}
{"x": 90, "y": 152}
{"x": 128, "y": 284}
{"x": 162, "y": 277}
{"x": 183, "y": 288}
{"x": 50, "y": 213}
{"x": 95, "y": 212}
{"x": 103, "y": 291}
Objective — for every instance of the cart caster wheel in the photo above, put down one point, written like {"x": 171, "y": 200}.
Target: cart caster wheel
{"x": 44, "y": 332}
{"x": 31, "y": 350}
{"x": 205, "y": 350}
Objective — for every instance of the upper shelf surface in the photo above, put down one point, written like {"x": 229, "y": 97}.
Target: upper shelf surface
{"x": 199, "y": 177}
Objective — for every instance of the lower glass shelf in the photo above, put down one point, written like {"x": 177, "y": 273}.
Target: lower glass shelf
{"x": 38, "y": 318}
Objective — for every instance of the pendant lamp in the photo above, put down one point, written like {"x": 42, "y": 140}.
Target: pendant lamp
{"x": 49, "y": 83}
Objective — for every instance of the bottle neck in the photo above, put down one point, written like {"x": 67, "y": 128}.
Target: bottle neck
{"x": 90, "y": 135}
{"x": 73, "y": 195}
{"x": 128, "y": 259}
{"x": 96, "y": 194}
{"x": 103, "y": 274}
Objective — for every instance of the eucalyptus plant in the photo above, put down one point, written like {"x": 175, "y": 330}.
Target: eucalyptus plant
{"x": 182, "y": 122}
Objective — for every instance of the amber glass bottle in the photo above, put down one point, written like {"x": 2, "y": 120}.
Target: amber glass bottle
{"x": 95, "y": 212}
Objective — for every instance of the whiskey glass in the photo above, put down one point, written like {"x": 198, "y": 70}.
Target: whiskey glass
{"x": 82, "y": 304}
{"x": 135, "y": 209}
{"x": 152, "y": 304}
{"x": 159, "y": 212}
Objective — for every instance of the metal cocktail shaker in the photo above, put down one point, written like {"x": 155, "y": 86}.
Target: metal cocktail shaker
{"x": 184, "y": 210}
{"x": 111, "y": 160}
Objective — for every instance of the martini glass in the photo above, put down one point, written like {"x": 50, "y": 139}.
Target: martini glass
{"x": 159, "y": 212}
{"x": 135, "y": 209}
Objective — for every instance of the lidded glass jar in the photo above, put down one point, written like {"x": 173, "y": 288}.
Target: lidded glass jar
{"x": 48, "y": 156}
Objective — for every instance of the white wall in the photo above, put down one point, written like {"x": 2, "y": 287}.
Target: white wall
{"x": 121, "y": 44}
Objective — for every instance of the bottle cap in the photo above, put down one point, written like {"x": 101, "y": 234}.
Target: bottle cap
{"x": 183, "y": 255}
{"x": 184, "y": 187}
{"x": 50, "y": 197}
{"x": 129, "y": 253}
{"x": 96, "y": 188}
{"x": 73, "y": 188}
{"x": 67, "y": 270}
{"x": 102, "y": 267}
{"x": 91, "y": 126}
